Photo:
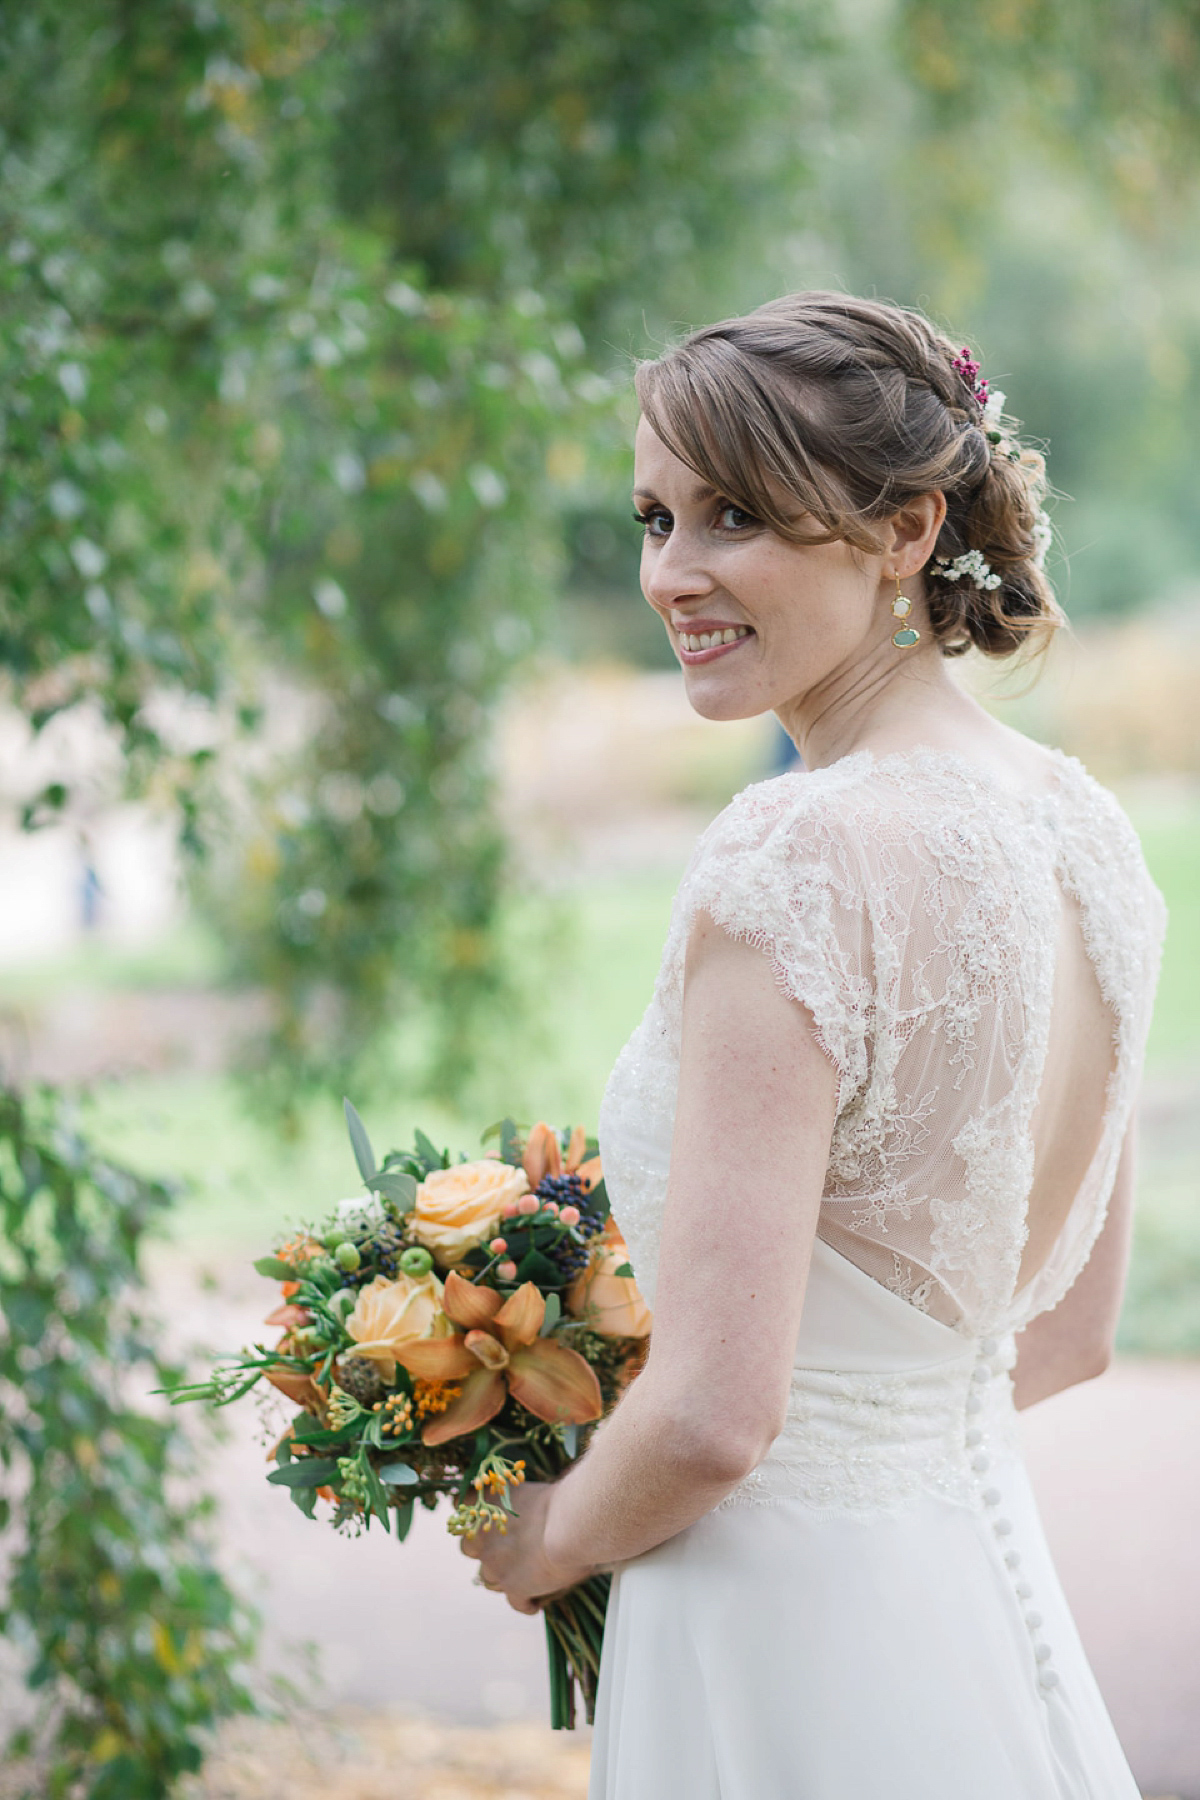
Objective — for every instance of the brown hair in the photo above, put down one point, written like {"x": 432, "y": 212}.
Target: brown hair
{"x": 851, "y": 408}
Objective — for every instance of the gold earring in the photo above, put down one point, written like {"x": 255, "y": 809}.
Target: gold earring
{"x": 908, "y": 635}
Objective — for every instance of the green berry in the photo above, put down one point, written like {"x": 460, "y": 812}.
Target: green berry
{"x": 347, "y": 1257}
{"x": 334, "y": 1237}
{"x": 416, "y": 1261}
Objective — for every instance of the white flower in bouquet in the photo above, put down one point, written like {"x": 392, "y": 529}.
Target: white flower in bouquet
{"x": 360, "y": 1214}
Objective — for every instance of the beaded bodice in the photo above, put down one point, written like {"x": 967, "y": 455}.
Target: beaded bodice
{"x": 911, "y": 903}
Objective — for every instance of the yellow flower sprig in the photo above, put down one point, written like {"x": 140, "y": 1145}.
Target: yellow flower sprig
{"x": 398, "y": 1415}
{"x": 491, "y": 1505}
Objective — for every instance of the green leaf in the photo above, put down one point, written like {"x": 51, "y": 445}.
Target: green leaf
{"x": 377, "y": 1494}
{"x": 427, "y": 1150}
{"x": 310, "y": 1471}
{"x": 535, "y": 1267}
{"x": 274, "y": 1268}
{"x": 360, "y": 1143}
{"x": 553, "y": 1312}
{"x": 395, "y": 1186}
{"x": 626, "y": 1269}
{"x": 305, "y": 1499}
{"x": 398, "y": 1474}
{"x": 510, "y": 1142}
{"x": 570, "y": 1439}
{"x": 403, "y": 1515}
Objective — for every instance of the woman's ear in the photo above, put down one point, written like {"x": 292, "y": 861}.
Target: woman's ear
{"x": 913, "y": 531}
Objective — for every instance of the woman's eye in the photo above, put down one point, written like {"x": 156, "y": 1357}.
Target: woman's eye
{"x": 656, "y": 523}
{"x": 735, "y": 518}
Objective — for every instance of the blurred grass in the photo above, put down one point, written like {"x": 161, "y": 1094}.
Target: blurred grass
{"x": 594, "y": 971}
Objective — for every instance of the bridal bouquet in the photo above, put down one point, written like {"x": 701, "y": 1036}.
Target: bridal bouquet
{"x": 453, "y": 1329}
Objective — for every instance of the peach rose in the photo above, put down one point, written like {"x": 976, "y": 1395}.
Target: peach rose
{"x": 456, "y": 1209}
{"x": 608, "y": 1302}
{"x": 390, "y": 1314}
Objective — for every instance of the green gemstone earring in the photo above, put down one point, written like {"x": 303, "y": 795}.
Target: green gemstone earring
{"x": 908, "y": 635}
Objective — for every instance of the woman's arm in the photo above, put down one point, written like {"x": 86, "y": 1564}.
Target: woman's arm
{"x": 753, "y": 1124}
{"x": 1074, "y": 1341}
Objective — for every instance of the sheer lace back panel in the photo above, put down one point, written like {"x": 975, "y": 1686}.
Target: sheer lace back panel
{"x": 979, "y": 964}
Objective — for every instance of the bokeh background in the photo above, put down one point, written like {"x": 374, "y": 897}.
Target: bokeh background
{"x": 339, "y": 753}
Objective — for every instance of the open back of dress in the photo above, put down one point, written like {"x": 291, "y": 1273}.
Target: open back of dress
{"x": 979, "y": 962}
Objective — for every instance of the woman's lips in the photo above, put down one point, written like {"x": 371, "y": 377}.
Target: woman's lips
{"x": 720, "y": 640}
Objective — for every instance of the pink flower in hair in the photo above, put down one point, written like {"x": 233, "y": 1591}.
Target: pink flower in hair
{"x": 965, "y": 365}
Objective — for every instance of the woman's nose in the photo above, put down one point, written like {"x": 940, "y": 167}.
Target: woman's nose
{"x": 674, "y": 571}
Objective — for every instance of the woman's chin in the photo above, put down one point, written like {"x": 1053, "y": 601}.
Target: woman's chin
{"x": 713, "y": 700}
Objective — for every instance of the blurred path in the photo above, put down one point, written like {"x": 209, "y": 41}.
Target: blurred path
{"x": 1116, "y": 1464}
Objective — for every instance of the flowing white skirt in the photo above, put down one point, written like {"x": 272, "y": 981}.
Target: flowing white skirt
{"x": 789, "y": 1651}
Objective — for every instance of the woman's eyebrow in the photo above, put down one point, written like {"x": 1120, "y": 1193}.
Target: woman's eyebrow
{"x": 698, "y": 496}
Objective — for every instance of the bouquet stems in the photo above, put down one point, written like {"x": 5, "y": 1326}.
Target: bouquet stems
{"x": 574, "y": 1639}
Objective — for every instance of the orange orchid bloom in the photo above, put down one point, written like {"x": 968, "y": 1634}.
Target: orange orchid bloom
{"x": 298, "y": 1387}
{"x": 543, "y": 1157}
{"x": 288, "y": 1315}
{"x": 498, "y": 1352}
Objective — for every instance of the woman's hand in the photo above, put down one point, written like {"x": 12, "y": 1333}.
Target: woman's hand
{"x": 515, "y": 1562}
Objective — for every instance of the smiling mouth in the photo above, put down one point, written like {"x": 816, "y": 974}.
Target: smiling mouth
{"x": 696, "y": 646}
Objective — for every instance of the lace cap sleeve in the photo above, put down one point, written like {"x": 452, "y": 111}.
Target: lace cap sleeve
{"x": 775, "y": 870}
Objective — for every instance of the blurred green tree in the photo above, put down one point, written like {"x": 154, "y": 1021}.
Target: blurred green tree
{"x": 294, "y": 372}
{"x": 135, "y": 1645}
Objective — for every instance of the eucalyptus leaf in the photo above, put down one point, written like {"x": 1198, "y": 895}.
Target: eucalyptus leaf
{"x": 309, "y": 1471}
{"x": 360, "y": 1143}
{"x": 553, "y": 1313}
{"x": 398, "y": 1474}
{"x": 396, "y": 1186}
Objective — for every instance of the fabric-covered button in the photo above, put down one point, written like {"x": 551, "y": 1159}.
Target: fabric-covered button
{"x": 991, "y": 1496}
{"x": 1042, "y": 1653}
{"x": 1002, "y": 1527}
{"x": 973, "y": 1437}
{"x": 974, "y": 1403}
{"x": 1012, "y": 1559}
{"x": 1033, "y": 1619}
{"x": 1048, "y": 1678}
{"x": 981, "y": 1373}
{"x": 989, "y": 1346}
{"x": 1024, "y": 1591}
{"x": 980, "y": 1464}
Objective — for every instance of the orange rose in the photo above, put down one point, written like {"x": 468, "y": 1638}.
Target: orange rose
{"x": 457, "y": 1208}
{"x": 609, "y": 1303}
{"x": 391, "y": 1314}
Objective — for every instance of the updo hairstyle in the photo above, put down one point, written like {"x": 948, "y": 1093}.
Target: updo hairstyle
{"x": 822, "y": 414}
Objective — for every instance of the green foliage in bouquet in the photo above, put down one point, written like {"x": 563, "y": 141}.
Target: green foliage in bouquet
{"x": 458, "y": 1328}
{"x": 133, "y": 1643}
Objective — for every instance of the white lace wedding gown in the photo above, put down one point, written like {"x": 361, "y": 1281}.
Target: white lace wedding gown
{"x": 873, "y": 1614}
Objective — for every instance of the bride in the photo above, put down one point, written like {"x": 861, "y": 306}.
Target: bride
{"x": 871, "y": 1145}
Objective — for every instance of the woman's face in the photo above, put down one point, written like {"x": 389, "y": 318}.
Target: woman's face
{"x": 782, "y": 620}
